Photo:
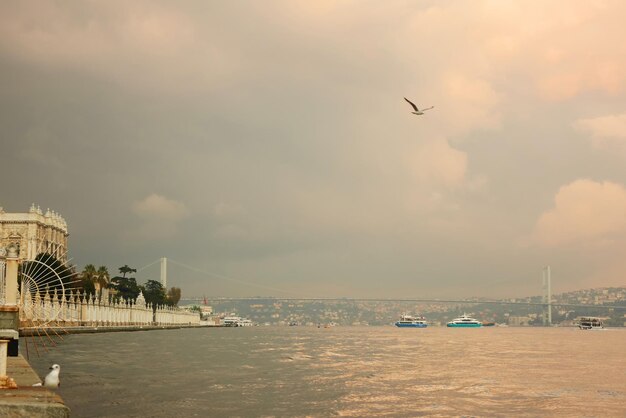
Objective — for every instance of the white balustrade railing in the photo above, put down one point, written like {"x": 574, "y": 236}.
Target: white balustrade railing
{"x": 78, "y": 309}
{"x": 2, "y": 280}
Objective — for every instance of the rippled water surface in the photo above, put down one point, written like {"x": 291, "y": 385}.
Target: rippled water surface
{"x": 343, "y": 371}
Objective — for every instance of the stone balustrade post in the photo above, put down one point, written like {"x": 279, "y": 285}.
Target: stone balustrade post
{"x": 10, "y": 296}
{"x": 9, "y": 312}
{"x": 3, "y": 357}
{"x": 84, "y": 310}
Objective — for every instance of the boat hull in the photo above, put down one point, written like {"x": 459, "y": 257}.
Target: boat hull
{"x": 401, "y": 325}
{"x": 464, "y": 325}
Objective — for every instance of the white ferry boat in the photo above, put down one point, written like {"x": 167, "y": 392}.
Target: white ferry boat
{"x": 465, "y": 322}
{"x": 408, "y": 321}
{"x": 590, "y": 322}
{"x": 236, "y": 321}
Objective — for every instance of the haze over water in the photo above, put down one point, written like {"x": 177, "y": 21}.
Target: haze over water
{"x": 343, "y": 371}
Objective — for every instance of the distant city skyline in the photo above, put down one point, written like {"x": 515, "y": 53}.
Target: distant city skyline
{"x": 270, "y": 143}
{"x": 383, "y": 312}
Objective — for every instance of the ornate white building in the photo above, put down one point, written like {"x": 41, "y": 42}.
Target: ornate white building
{"x": 34, "y": 232}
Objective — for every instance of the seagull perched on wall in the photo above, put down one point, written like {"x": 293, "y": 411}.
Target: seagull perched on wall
{"x": 52, "y": 379}
{"x": 417, "y": 111}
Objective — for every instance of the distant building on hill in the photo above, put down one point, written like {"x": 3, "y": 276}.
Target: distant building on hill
{"x": 519, "y": 321}
{"x": 34, "y": 232}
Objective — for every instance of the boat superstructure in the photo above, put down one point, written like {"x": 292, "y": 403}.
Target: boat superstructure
{"x": 236, "y": 321}
{"x": 408, "y": 321}
{"x": 590, "y": 322}
{"x": 464, "y": 322}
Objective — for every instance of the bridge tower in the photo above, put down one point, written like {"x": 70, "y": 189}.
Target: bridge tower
{"x": 164, "y": 272}
{"x": 547, "y": 297}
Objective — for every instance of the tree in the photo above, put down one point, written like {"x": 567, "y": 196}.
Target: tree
{"x": 87, "y": 280}
{"x": 154, "y": 292}
{"x": 125, "y": 270}
{"x": 198, "y": 310}
{"x": 125, "y": 287}
{"x": 102, "y": 278}
{"x": 89, "y": 272}
{"x": 173, "y": 296}
{"x": 88, "y": 287}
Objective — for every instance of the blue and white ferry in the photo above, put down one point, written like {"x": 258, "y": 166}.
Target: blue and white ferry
{"x": 408, "y": 321}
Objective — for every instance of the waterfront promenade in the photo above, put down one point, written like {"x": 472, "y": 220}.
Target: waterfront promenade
{"x": 27, "y": 401}
{"x": 37, "y": 332}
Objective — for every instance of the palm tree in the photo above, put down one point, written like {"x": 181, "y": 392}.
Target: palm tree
{"x": 89, "y": 270}
{"x": 101, "y": 279}
{"x": 88, "y": 277}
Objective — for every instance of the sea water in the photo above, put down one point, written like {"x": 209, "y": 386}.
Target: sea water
{"x": 342, "y": 371}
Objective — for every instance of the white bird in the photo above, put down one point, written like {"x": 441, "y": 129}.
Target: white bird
{"x": 417, "y": 111}
{"x": 52, "y": 379}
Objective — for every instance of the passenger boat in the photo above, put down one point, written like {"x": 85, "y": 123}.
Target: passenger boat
{"x": 408, "y": 321}
{"x": 236, "y": 321}
{"x": 465, "y": 322}
{"x": 590, "y": 322}
{"x": 245, "y": 322}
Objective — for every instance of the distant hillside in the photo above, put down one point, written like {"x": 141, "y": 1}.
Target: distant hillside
{"x": 346, "y": 312}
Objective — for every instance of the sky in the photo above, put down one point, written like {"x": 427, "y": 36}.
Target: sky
{"x": 267, "y": 145}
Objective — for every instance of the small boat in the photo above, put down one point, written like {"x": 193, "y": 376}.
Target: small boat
{"x": 408, "y": 321}
{"x": 464, "y": 322}
{"x": 590, "y": 322}
{"x": 488, "y": 324}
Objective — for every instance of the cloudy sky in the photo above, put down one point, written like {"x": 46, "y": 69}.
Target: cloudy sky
{"x": 267, "y": 144}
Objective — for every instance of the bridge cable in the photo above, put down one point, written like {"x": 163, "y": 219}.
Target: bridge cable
{"x": 151, "y": 264}
{"x": 223, "y": 277}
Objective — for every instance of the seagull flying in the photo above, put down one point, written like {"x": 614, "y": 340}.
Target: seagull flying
{"x": 52, "y": 379}
{"x": 417, "y": 111}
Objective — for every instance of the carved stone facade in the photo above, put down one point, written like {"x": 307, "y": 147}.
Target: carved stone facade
{"x": 34, "y": 232}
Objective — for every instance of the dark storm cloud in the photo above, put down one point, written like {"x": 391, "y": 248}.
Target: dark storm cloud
{"x": 270, "y": 142}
